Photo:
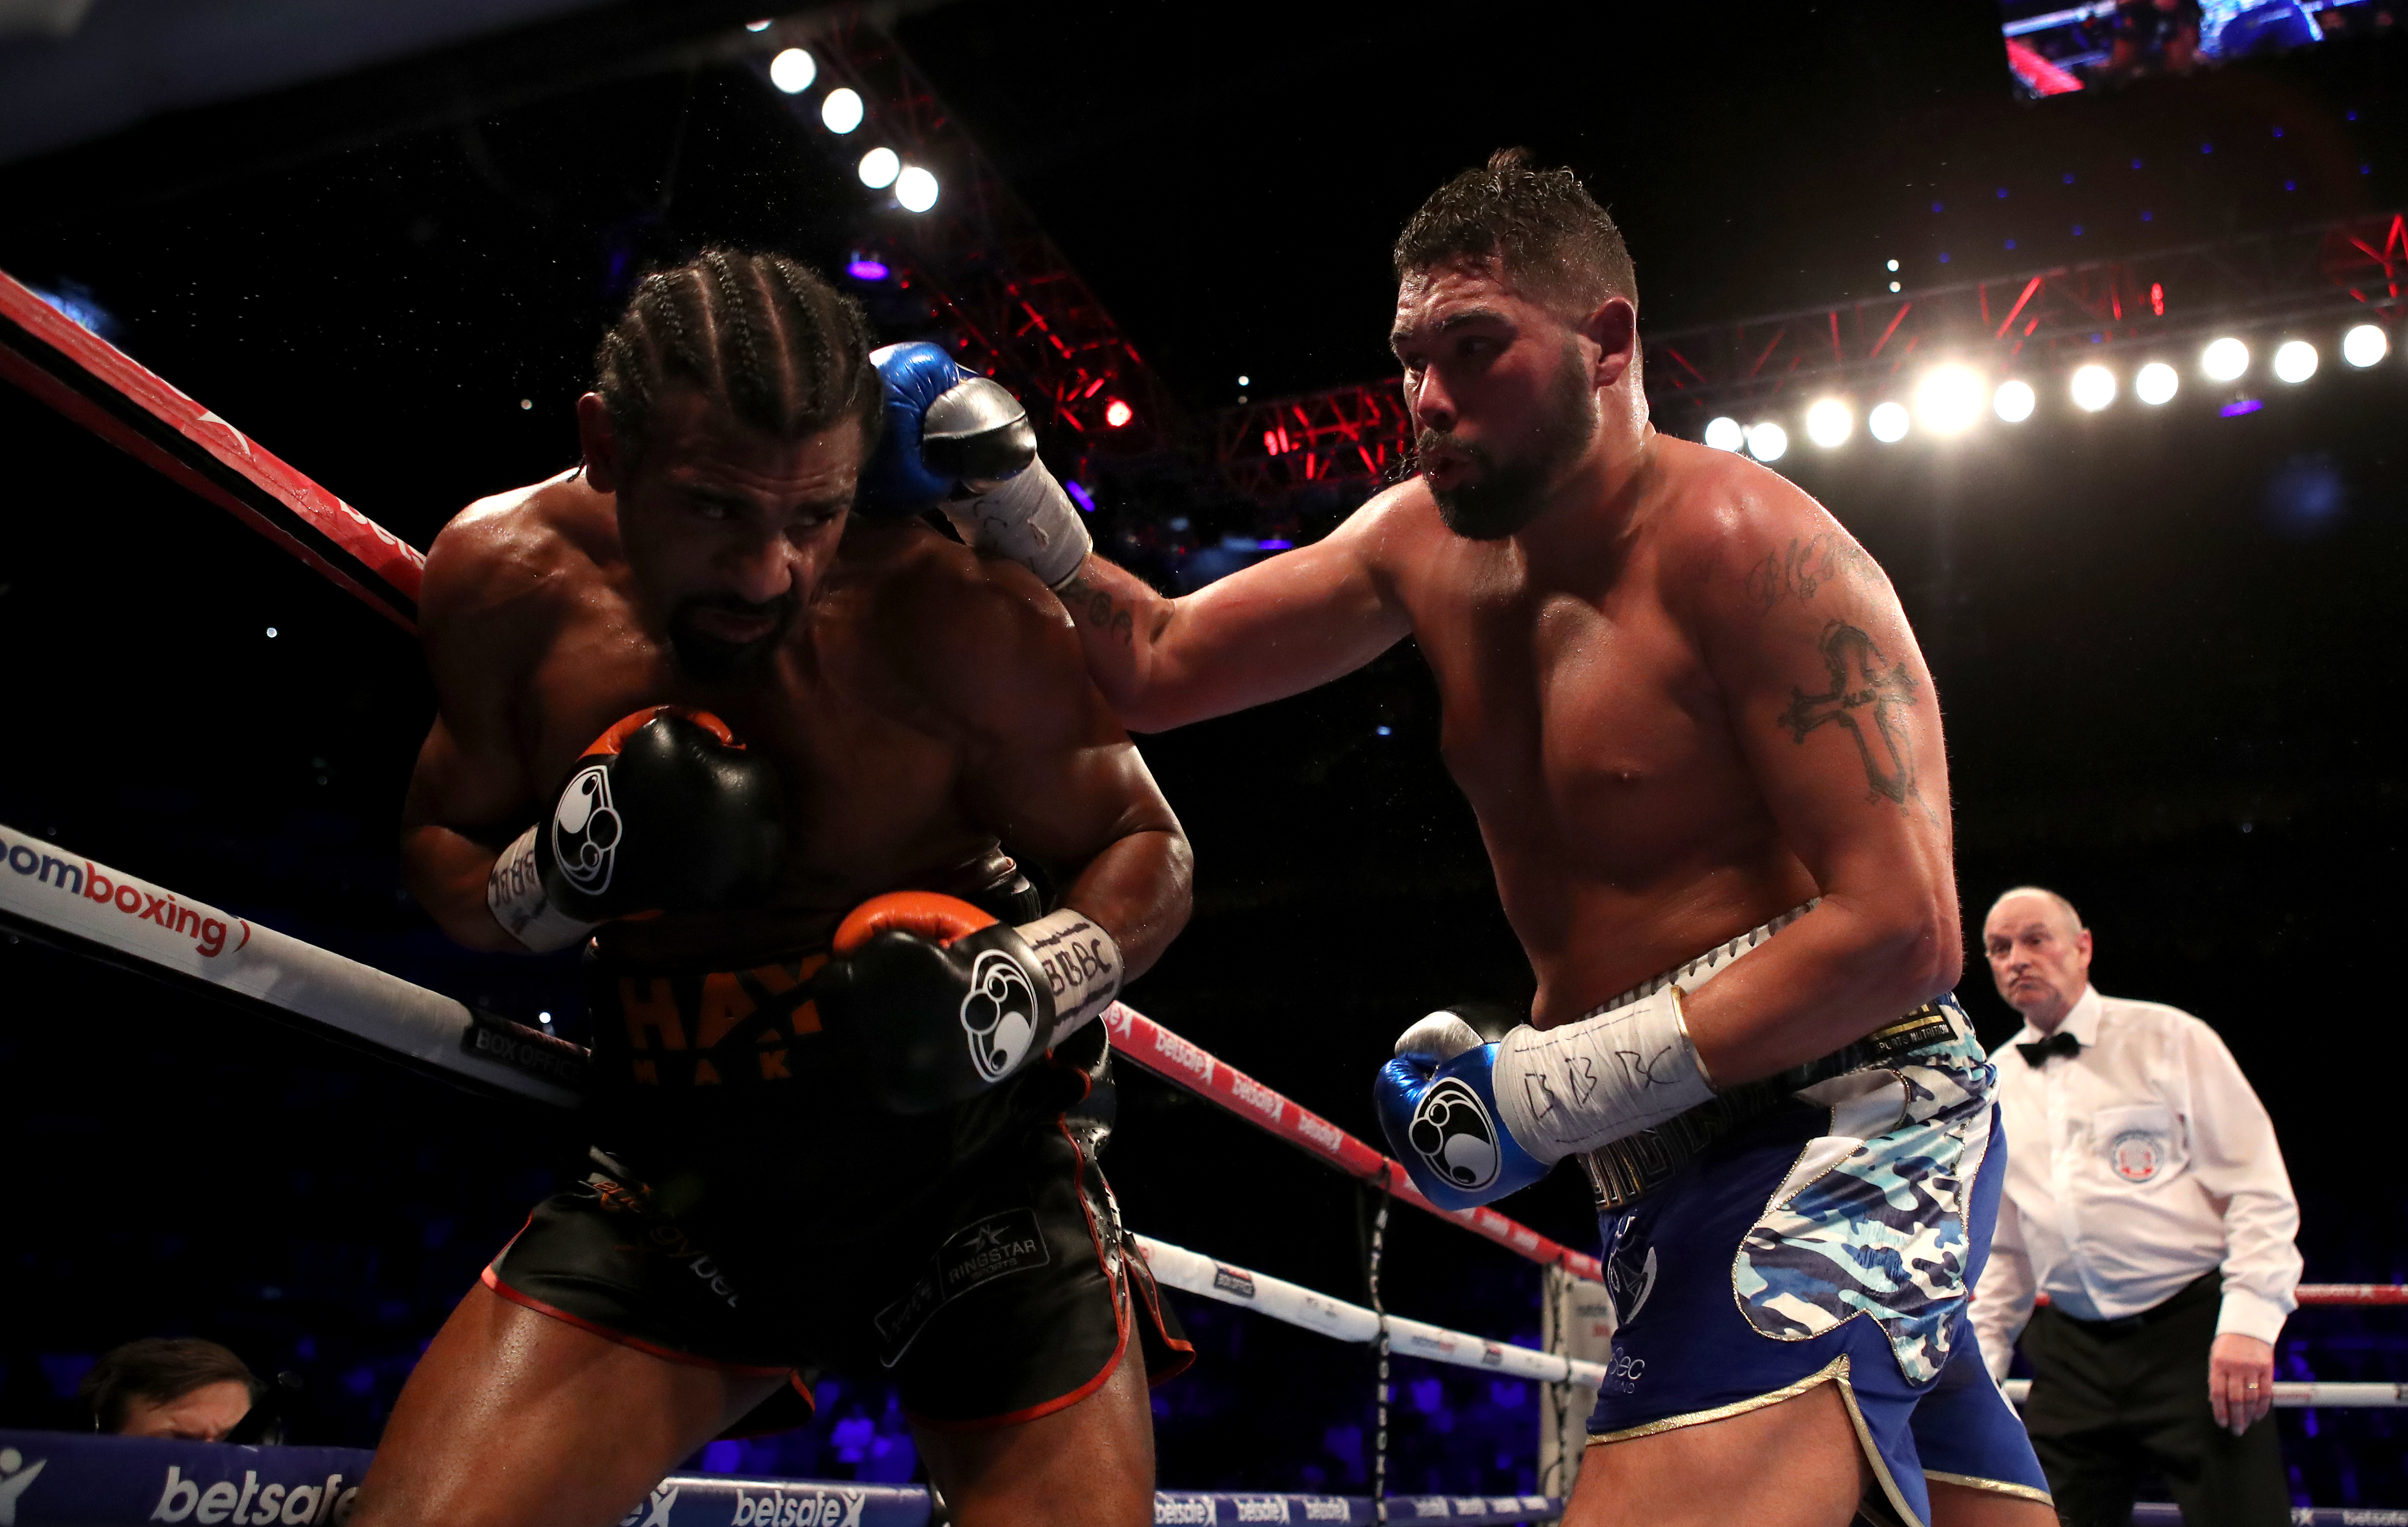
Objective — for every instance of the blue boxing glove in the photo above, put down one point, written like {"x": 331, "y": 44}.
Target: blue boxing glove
{"x": 946, "y": 428}
{"x": 1437, "y": 1103}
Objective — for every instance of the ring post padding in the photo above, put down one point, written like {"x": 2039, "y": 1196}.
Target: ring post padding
{"x": 2290, "y": 1396}
{"x": 1148, "y": 1045}
{"x": 1179, "y": 1267}
{"x": 45, "y": 887}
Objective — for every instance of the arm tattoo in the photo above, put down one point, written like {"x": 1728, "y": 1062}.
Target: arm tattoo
{"x": 1808, "y": 563}
{"x": 1092, "y": 606}
{"x": 1870, "y": 696}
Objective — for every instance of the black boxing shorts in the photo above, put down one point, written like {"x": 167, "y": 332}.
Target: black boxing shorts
{"x": 772, "y": 1221}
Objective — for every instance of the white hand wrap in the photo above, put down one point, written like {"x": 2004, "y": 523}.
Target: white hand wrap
{"x": 1081, "y": 965}
{"x": 514, "y": 893}
{"x": 1030, "y": 520}
{"x": 1575, "y": 1087}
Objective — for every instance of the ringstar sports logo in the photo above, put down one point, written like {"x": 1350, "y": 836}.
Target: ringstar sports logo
{"x": 999, "y": 1015}
{"x": 42, "y": 865}
{"x": 585, "y": 831}
{"x": 1452, "y": 1133}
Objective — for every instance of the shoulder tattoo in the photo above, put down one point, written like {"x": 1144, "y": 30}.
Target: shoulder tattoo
{"x": 1805, "y": 567}
{"x": 1872, "y": 698}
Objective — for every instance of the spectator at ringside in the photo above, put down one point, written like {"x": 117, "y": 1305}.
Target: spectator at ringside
{"x": 2145, "y": 1196}
{"x": 169, "y": 1387}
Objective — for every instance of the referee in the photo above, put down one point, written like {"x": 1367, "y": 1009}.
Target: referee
{"x": 2146, "y": 1198}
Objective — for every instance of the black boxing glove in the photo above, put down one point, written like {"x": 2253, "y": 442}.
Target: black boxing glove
{"x": 666, "y": 811}
{"x": 936, "y": 1000}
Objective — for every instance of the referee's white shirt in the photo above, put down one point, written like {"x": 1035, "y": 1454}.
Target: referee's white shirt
{"x": 2133, "y": 1167}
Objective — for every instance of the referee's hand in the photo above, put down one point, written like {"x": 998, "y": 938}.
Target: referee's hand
{"x": 2239, "y": 1381}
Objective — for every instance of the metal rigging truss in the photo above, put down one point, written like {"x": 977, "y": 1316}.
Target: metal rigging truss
{"x": 1016, "y": 308}
{"x": 2036, "y": 322}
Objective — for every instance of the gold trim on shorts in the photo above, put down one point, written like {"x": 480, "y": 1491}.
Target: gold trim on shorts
{"x": 1834, "y": 1371}
{"x": 1996, "y": 1487}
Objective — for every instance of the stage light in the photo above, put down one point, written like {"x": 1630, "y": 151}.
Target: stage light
{"x": 1117, "y": 413}
{"x": 864, "y": 268}
{"x": 2225, "y": 360}
{"x": 1767, "y": 441}
{"x": 749, "y": 26}
{"x": 878, "y": 167}
{"x": 842, "y": 111}
{"x": 916, "y": 189}
{"x": 2014, "y": 401}
{"x": 1887, "y": 422}
{"x": 1723, "y": 434}
{"x": 2156, "y": 383}
{"x": 1893, "y": 264}
{"x": 2094, "y": 388}
{"x": 1948, "y": 399}
{"x": 2295, "y": 360}
{"x": 2365, "y": 345}
{"x": 1828, "y": 422}
{"x": 793, "y": 71}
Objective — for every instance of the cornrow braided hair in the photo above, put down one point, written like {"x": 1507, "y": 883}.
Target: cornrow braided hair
{"x": 758, "y": 335}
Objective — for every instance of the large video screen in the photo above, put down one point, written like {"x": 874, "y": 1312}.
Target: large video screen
{"x": 2053, "y": 49}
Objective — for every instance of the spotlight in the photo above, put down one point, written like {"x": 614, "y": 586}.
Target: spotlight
{"x": 1767, "y": 441}
{"x": 2365, "y": 345}
{"x": 1828, "y": 422}
{"x": 864, "y": 267}
{"x": 2014, "y": 401}
{"x": 842, "y": 111}
{"x": 793, "y": 71}
{"x": 2225, "y": 360}
{"x": 1887, "y": 422}
{"x": 1723, "y": 434}
{"x": 878, "y": 167}
{"x": 2295, "y": 360}
{"x": 1948, "y": 399}
{"x": 1117, "y": 413}
{"x": 1893, "y": 264}
{"x": 2156, "y": 383}
{"x": 2094, "y": 388}
{"x": 916, "y": 189}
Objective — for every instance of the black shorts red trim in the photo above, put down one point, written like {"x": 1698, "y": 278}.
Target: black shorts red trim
{"x": 975, "y": 1257}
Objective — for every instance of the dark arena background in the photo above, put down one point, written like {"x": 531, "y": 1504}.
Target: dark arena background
{"x": 383, "y": 240}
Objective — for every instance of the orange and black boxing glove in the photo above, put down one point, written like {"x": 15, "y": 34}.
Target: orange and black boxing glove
{"x": 937, "y": 1000}
{"x": 666, "y": 812}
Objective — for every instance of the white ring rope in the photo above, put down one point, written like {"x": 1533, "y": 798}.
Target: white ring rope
{"x": 1299, "y": 1305}
{"x": 2289, "y": 1396}
{"x": 45, "y": 885}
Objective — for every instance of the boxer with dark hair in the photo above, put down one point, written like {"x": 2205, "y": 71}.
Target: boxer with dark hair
{"x": 1706, "y": 759}
{"x": 761, "y": 756}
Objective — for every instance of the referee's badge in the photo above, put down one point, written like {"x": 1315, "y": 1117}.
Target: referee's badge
{"x": 2136, "y": 1155}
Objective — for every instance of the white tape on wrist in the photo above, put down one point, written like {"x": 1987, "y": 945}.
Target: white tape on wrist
{"x": 1081, "y": 965}
{"x": 514, "y": 893}
{"x": 1030, "y": 520}
{"x": 1573, "y": 1089}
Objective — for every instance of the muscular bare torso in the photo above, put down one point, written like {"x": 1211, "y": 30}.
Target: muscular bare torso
{"x": 1616, "y": 781}
{"x": 548, "y": 647}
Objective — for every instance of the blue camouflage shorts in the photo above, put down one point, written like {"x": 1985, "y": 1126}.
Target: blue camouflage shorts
{"x": 1832, "y": 1240}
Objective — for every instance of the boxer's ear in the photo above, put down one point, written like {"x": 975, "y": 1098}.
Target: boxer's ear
{"x": 605, "y": 456}
{"x": 1613, "y": 329}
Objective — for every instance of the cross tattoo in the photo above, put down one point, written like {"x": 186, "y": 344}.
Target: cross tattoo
{"x": 1863, "y": 679}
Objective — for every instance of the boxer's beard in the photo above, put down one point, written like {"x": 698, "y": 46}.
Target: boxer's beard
{"x": 707, "y": 656}
{"x": 1503, "y": 496}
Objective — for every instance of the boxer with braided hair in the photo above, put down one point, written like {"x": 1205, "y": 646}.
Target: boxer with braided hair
{"x": 694, "y": 711}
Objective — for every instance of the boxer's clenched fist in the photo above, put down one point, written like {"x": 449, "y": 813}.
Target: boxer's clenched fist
{"x": 961, "y": 440}
{"x": 666, "y": 811}
{"x": 937, "y": 1000}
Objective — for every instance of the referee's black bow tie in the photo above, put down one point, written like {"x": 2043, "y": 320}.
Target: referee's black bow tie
{"x": 2059, "y": 1042}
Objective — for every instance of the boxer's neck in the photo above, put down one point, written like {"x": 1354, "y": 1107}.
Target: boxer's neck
{"x": 1591, "y": 512}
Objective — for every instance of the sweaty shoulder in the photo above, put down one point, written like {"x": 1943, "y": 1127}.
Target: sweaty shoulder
{"x": 1737, "y": 535}
{"x": 509, "y": 551}
{"x": 971, "y": 634}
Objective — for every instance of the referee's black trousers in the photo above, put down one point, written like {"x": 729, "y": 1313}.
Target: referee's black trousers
{"x": 2111, "y": 1398}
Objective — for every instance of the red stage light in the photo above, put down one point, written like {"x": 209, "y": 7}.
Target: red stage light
{"x": 2157, "y": 298}
{"x": 1117, "y": 413}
